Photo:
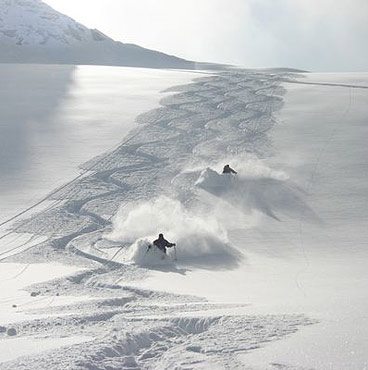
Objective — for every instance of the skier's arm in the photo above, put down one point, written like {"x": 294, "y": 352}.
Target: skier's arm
{"x": 233, "y": 171}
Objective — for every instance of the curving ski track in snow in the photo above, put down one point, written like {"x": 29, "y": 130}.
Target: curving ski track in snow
{"x": 217, "y": 116}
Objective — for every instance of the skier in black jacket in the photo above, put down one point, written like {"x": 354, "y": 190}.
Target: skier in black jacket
{"x": 161, "y": 243}
{"x": 228, "y": 169}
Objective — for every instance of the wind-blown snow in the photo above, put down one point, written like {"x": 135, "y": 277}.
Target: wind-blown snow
{"x": 200, "y": 238}
{"x": 262, "y": 190}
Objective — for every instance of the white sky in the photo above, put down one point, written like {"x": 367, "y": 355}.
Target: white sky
{"x": 318, "y": 35}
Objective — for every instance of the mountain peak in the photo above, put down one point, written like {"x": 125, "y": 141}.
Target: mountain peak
{"x": 32, "y": 22}
{"x": 33, "y": 32}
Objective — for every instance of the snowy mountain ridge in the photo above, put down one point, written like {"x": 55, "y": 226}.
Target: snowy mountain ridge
{"x": 32, "y": 22}
{"x": 33, "y": 32}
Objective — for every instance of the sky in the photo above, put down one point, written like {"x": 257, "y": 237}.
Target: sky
{"x": 314, "y": 35}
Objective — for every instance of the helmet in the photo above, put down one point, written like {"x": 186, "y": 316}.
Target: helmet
{"x": 160, "y": 236}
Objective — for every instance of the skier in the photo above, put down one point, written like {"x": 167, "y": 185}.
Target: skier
{"x": 161, "y": 243}
{"x": 228, "y": 169}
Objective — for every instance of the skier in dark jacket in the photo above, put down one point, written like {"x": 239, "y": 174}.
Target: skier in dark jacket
{"x": 161, "y": 243}
{"x": 228, "y": 169}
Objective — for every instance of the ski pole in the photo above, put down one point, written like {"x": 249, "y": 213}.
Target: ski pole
{"x": 118, "y": 251}
{"x": 175, "y": 253}
{"x": 148, "y": 248}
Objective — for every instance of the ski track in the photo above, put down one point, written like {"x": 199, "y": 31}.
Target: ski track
{"x": 216, "y": 116}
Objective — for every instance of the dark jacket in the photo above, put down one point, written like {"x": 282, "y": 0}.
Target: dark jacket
{"x": 228, "y": 169}
{"x": 162, "y": 244}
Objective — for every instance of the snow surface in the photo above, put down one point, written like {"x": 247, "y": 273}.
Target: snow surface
{"x": 53, "y": 118}
{"x": 15, "y": 277}
{"x": 11, "y": 349}
{"x": 280, "y": 276}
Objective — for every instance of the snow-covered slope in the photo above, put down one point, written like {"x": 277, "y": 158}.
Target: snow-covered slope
{"x": 279, "y": 250}
{"x": 33, "y": 32}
